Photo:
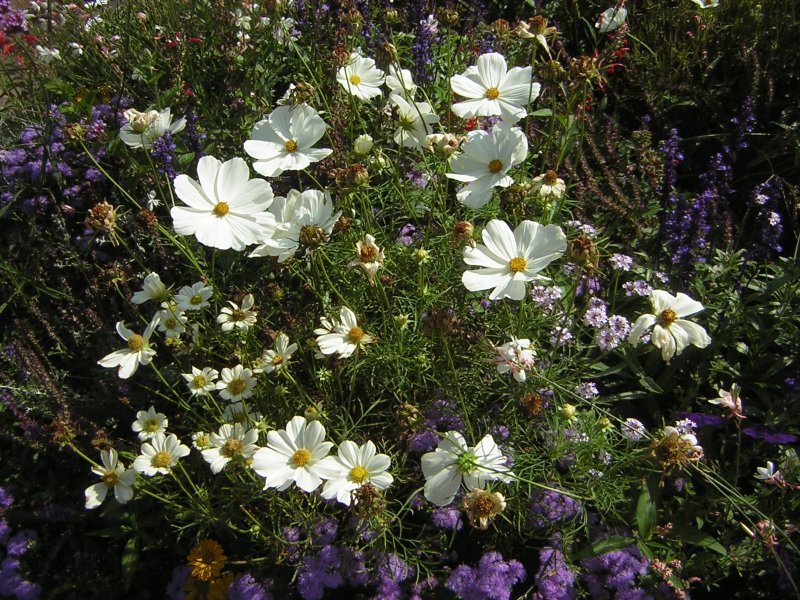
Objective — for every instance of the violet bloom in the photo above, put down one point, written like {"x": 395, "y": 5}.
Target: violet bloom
{"x": 548, "y": 508}
{"x": 492, "y": 579}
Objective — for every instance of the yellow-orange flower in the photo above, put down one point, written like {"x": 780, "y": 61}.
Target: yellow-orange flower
{"x": 206, "y": 560}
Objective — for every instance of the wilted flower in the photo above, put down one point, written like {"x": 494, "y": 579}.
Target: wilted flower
{"x": 369, "y": 257}
{"x": 515, "y": 356}
{"x": 142, "y": 129}
{"x": 482, "y": 507}
{"x": 730, "y": 401}
{"x": 676, "y": 449}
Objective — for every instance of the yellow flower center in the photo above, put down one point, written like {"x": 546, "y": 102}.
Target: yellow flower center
{"x": 237, "y": 386}
{"x": 482, "y": 506}
{"x": 171, "y": 323}
{"x": 666, "y": 318}
{"x": 199, "y": 381}
{"x": 196, "y": 299}
{"x": 517, "y": 265}
{"x": 355, "y": 79}
{"x": 355, "y": 334}
{"x": 221, "y": 209}
{"x": 151, "y": 425}
{"x": 277, "y": 360}
{"x": 291, "y": 146}
{"x": 550, "y": 177}
{"x": 359, "y": 474}
{"x": 301, "y": 457}
{"x": 492, "y": 93}
{"x": 231, "y": 448}
{"x": 495, "y": 166}
{"x": 238, "y": 315}
{"x": 136, "y": 342}
{"x": 161, "y": 460}
{"x": 202, "y": 441}
{"x": 368, "y": 253}
{"x": 111, "y": 478}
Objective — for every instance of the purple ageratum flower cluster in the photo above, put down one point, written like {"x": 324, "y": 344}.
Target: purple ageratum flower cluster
{"x": 391, "y": 573}
{"x": 637, "y": 288}
{"x": 587, "y": 390}
{"x": 246, "y": 587}
{"x": 560, "y": 335}
{"x": 447, "y": 518}
{"x": 614, "y": 573}
{"x": 547, "y": 508}
{"x": 12, "y": 20}
{"x": 408, "y": 235}
{"x": 12, "y": 547}
{"x": 555, "y": 579}
{"x": 545, "y": 298}
{"x": 621, "y": 262}
{"x": 442, "y": 416}
{"x": 329, "y": 569}
{"x": 492, "y": 579}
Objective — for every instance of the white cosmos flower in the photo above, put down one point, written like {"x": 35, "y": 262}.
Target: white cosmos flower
{"x": 484, "y": 162}
{"x": 516, "y": 357}
{"x": 171, "y": 321}
{"x": 231, "y": 443}
{"x": 295, "y": 455}
{"x": 611, "y": 19}
{"x": 706, "y": 3}
{"x": 341, "y": 337}
{"x": 142, "y": 129}
{"x": 201, "y": 382}
{"x": 226, "y": 209}
{"x": 768, "y": 474}
{"x": 360, "y": 77}
{"x": 453, "y": 462}
{"x": 137, "y": 353}
{"x": 671, "y": 332}
{"x": 415, "y": 122}
{"x": 548, "y": 186}
{"x": 283, "y": 140}
{"x": 276, "y": 360}
{"x": 241, "y": 317}
{"x": 356, "y": 466}
{"x": 114, "y": 476}
{"x": 159, "y": 455}
{"x": 400, "y": 82}
{"x": 193, "y": 297}
{"x": 236, "y": 383}
{"x": 152, "y": 289}
{"x": 148, "y": 423}
{"x": 494, "y": 90}
{"x": 509, "y": 260}
{"x": 305, "y": 218}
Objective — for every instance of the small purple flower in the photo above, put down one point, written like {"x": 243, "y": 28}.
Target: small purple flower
{"x": 637, "y": 288}
{"x": 560, "y": 336}
{"x": 545, "y": 298}
{"x": 587, "y": 390}
{"x": 633, "y": 430}
{"x": 247, "y": 588}
{"x": 549, "y": 507}
{"x": 447, "y": 518}
{"x": 621, "y": 262}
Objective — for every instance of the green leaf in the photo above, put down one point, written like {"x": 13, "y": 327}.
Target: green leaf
{"x": 130, "y": 560}
{"x": 693, "y": 536}
{"x": 542, "y": 112}
{"x": 645, "y": 511}
{"x": 614, "y": 542}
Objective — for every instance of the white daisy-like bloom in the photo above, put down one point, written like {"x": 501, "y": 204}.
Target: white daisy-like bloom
{"x": 159, "y": 455}
{"x": 295, "y": 455}
{"x": 201, "y": 440}
{"x": 536, "y": 28}
{"x": 148, "y": 423}
{"x": 510, "y": 259}
{"x": 275, "y": 360}
{"x": 360, "y": 77}
{"x": 201, "y": 382}
{"x": 226, "y": 209}
{"x": 171, "y": 321}
{"x": 303, "y": 218}
{"x": 193, "y": 297}
{"x": 237, "y": 412}
{"x": 369, "y": 257}
{"x": 114, "y": 476}
{"x": 671, "y": 332}
{"x": 356, "y": 466}
{"x": 484, "y": 162}
{"x": 415, "y": 122}
{"x": 152, "y": 289}
{"x": 240, "y": 317}
{"x": 515, "y": 357}
{"x": 400, "y": 82}
{"x": 768, "y": 474}
{"x": 283, "y": 140}
{"x": 142, "y": 129}
{"x": 232, "y": 442}
{"x": 341, "y": 336}
{"x": 611, "y": 19}
{"x": 494, "y": 90}
{"x": 236, "y": 383}
{"x": 706, "y": 3}
{"x": 453, "y": 462}
{"x": 548, "y": 186}
{"x": 138, "y": 352}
